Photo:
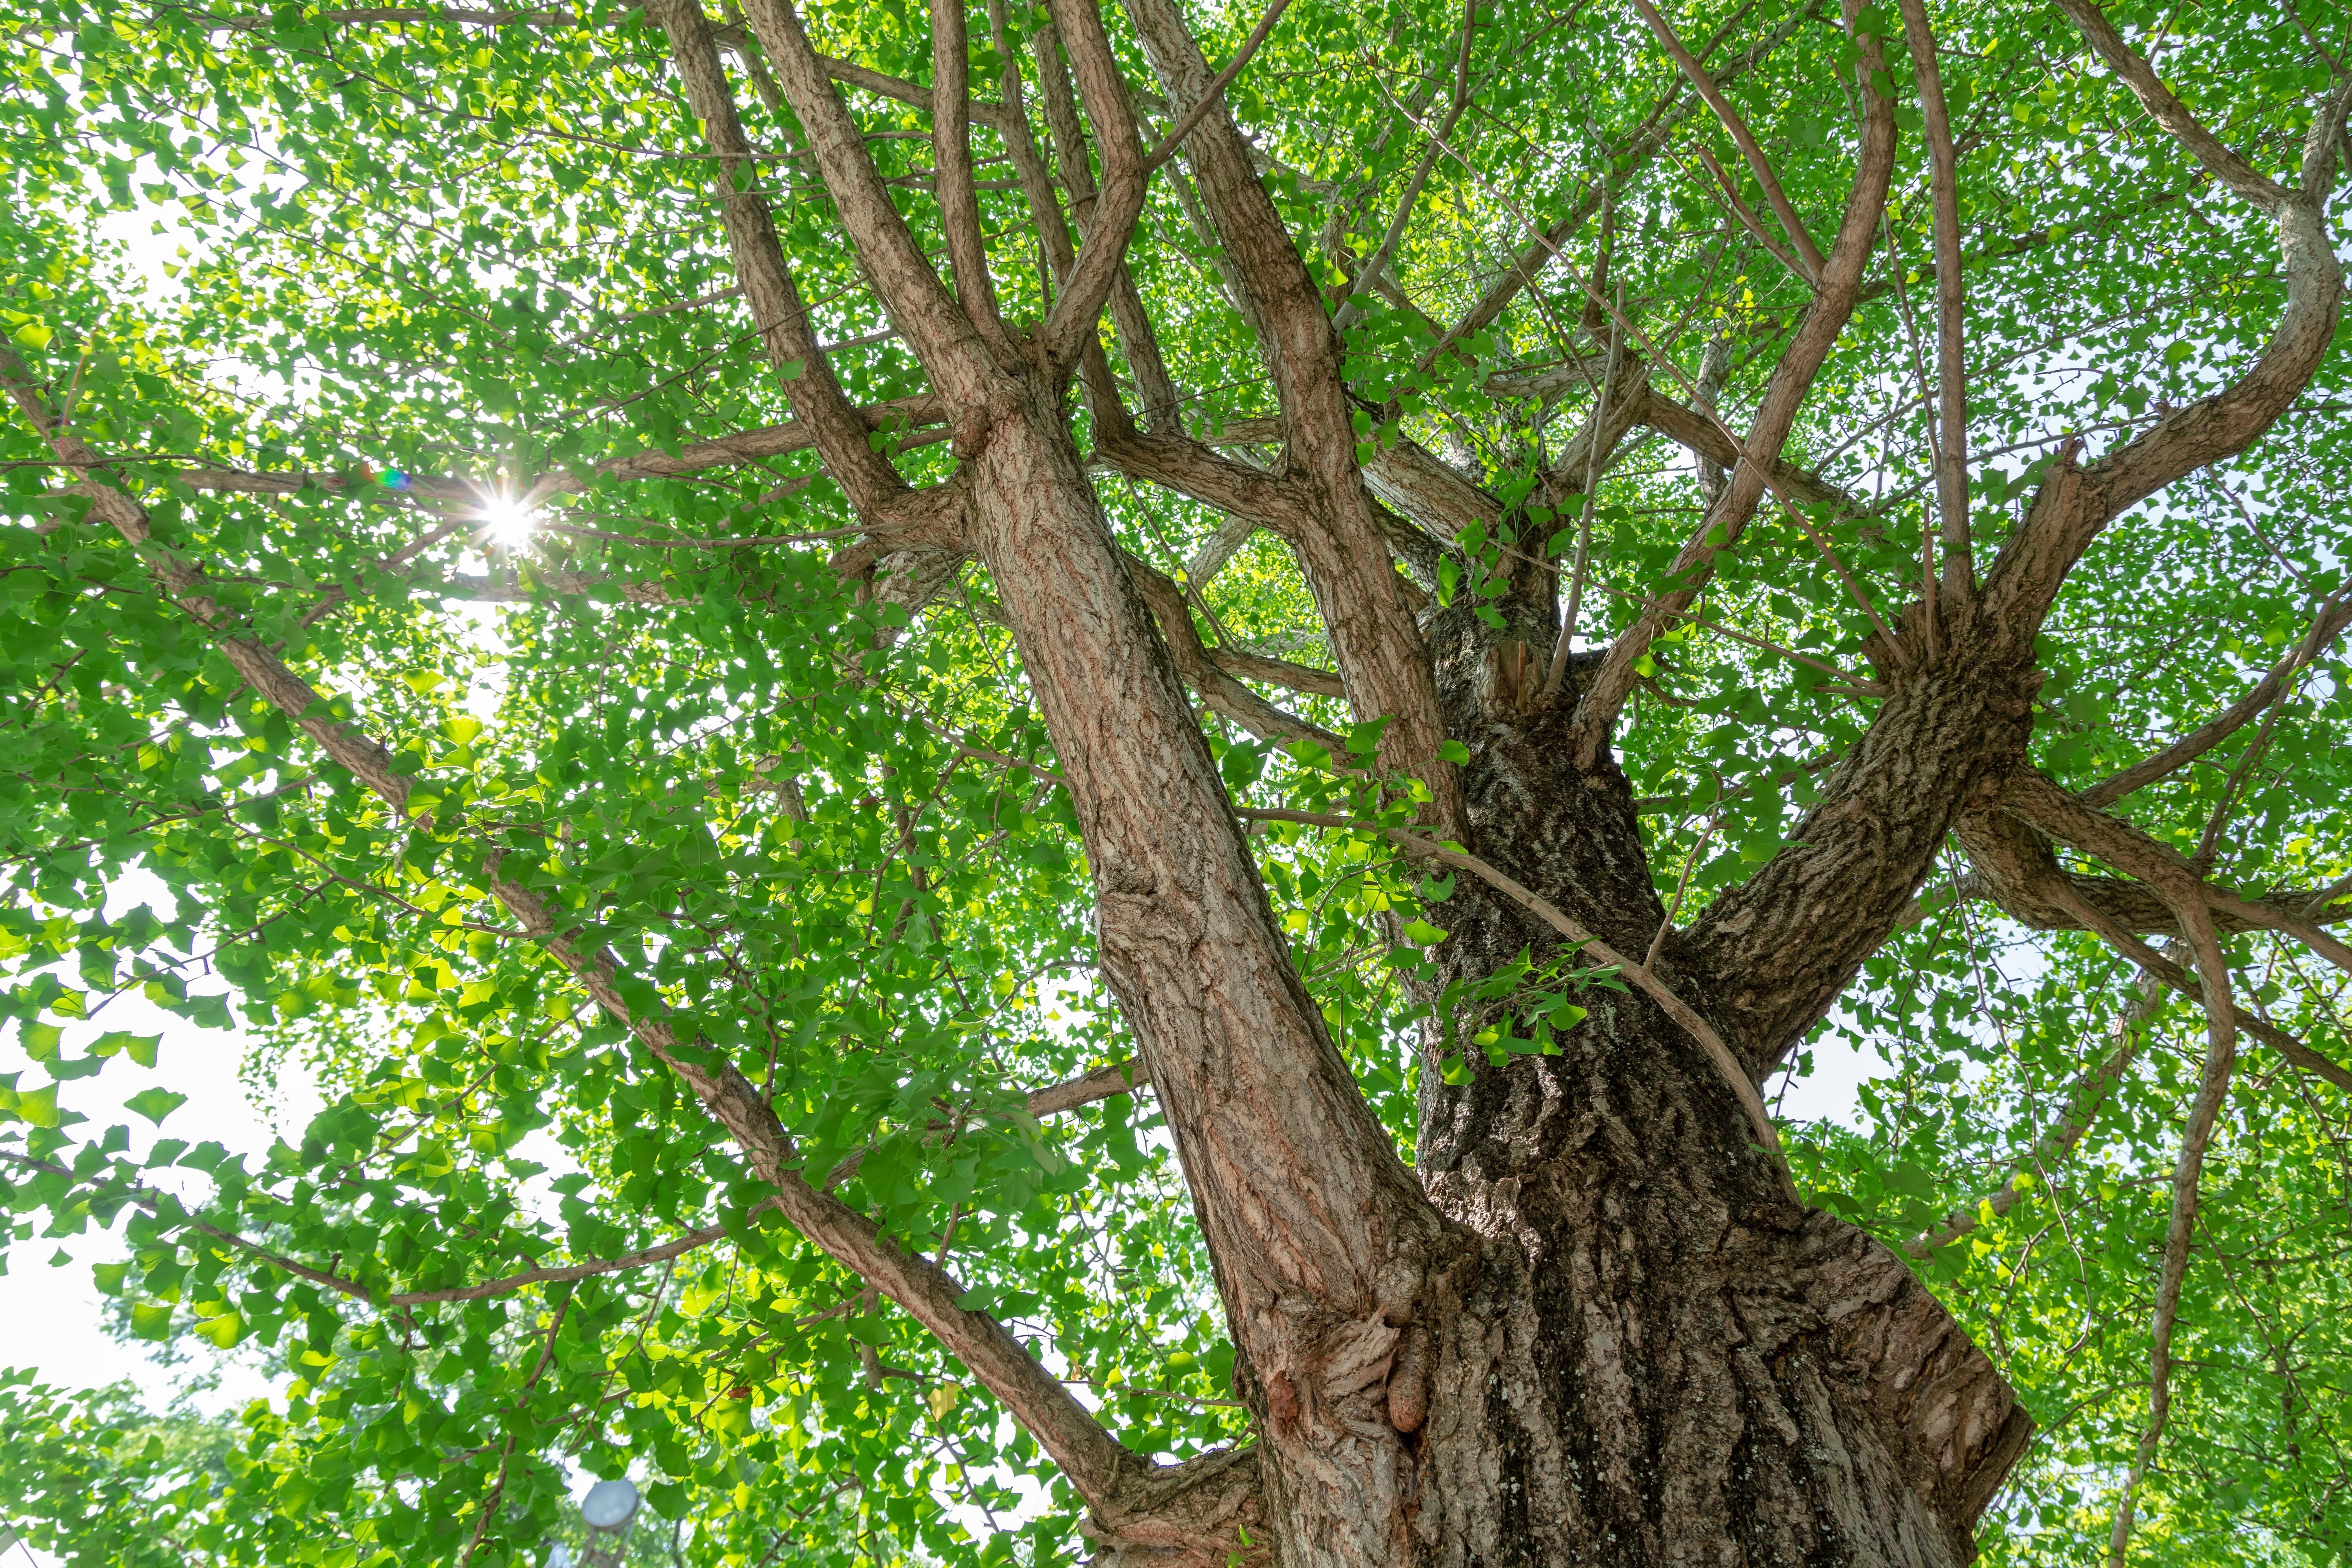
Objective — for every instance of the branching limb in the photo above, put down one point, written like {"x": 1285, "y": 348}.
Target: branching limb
{"x": 2033, "y": 796}
{"x": 1701, "y": 434}
{"x": 2011, "y": 866}
{"x": 837, "y": 429}
{"x": 1784, "y": 394}
{"x": 929, "y": 319}
{"x": 2156, "y": 964}
{"x": 952, "y": 174}
{"x": 1103, "y": 1083}
{"x": 1108, "y": 227}
{"x": 1808, "y": 252}
{"x": 1727, "y": 191}
{"x": 2335, "y": 615}
{"x": 2075, "y": 504}
{"x": 1344, "y": 551}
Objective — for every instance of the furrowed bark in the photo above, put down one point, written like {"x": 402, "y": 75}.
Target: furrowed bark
{"x": 1318, "y": 1234}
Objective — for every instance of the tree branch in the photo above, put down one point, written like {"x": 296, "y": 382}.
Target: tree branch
{"x": 1784, "y": 395}
{"x": 2075, "y": 504}
{"x": 2033, "y": 796}
{"x": 1704, "y": 436}
{"x": 2335, "y": 615}
{"x": 1202, "y": 672}
{"x": 1070, "y": 326}
{"x": 2221, "y": 1054}
{"x": 1808, "y": 252}
{"x": 1952, "y": 363}
{"x": 941, "y": 335}
{"x": 1344, "y": 551}
{"x": 836, "y": 428}
{"x": 1098, "y": 1467}
{"x": 952, "y": 174}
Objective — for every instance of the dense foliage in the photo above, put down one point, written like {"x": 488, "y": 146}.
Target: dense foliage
{"x": 404, "y": 326}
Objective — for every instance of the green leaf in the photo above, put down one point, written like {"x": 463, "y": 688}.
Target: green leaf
{"x": 155, "y": 1104}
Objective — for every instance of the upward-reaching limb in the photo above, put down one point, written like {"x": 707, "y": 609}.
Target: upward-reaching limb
{"x": 2075, "y": 504}
{"x": 942, "y": 336}
{"x": 1950, "y": 736}
{"x": 1379, "y": 649}
{"x": 1776, "y": 415}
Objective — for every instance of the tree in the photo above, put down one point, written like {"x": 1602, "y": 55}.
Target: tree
{"x": 1162, "y": 752}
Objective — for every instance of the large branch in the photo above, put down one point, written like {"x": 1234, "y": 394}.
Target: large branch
{"x": 836, "y": 427}
{"x": 1344, "y": 553}
{"x": 1110, "y": 226}
{"x": 2033, "y": 796}
{"x": 1776, "y": 415}
{"x": 941, "y": 335}
{"x": 2075, "y": 504}
{"x": 951, "y": 174}
{"x": 2012, "y": 868}
{"x": 1098, "y": 1467}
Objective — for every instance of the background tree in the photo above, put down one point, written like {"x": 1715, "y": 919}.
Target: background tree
{"x": 1161, "y": 753}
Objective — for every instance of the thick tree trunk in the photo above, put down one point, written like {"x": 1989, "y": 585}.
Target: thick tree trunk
{"x": 1650, "y": 1355}
{"x": 1597, "y": 1330}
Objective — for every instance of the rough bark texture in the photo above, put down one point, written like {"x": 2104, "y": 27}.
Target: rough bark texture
{"x": 1650, "y": 1355}
{"x": 1594, "y": 1325}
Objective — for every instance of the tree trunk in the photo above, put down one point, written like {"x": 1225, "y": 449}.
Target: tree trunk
{"x": 1651, "y": 1357}
{"x": 1615, "y": 1338}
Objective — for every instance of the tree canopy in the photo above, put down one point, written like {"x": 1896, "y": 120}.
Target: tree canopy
{"x": 556, "y": 714}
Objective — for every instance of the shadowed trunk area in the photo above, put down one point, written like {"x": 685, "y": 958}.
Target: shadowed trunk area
{"x": 1650, "y": 1355}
